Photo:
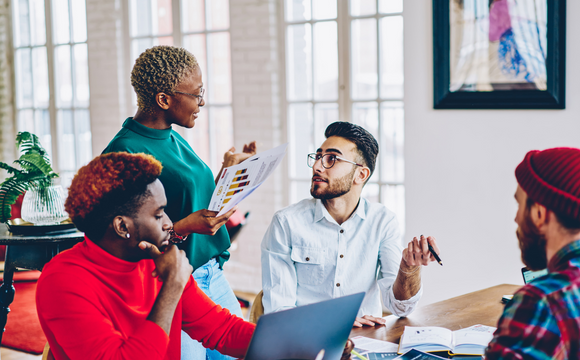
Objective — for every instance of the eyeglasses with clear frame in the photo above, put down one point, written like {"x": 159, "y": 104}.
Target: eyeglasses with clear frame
{"x": 328, "y": 160}
{"x": 199, "y": 97}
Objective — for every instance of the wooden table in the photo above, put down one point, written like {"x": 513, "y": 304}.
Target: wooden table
{"x": 479, "y": 307}
{"x": 29, "y": 252}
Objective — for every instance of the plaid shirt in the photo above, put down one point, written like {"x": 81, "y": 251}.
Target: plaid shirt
{"x": 543, "y": 319}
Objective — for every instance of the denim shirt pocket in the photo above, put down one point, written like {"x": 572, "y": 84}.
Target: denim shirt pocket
{"x": 309, "y": 263}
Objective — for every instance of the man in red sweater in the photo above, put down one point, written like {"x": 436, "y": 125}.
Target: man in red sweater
{"x": 126, "y": 291}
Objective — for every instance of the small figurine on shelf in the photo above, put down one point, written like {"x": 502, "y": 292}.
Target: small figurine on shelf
{"x": 33, "y": 172}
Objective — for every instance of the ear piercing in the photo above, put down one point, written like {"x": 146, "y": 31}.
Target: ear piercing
{"x": 128, "y": 235}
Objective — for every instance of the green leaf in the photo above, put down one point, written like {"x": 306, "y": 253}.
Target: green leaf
{"x": 9, "y": 192}
{"x": 35, "y": 163}
{"x": 36, "y": 171}
{"x": 29, "y": 143}
{"x": 9, "y": 168}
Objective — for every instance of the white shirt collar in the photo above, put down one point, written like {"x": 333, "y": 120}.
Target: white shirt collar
{"x": 320, "y": 211}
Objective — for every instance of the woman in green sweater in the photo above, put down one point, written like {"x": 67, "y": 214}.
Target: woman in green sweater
{"x": 169, "y": 88}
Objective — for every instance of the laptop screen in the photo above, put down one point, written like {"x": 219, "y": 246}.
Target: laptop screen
{"x": 531, "y": 275}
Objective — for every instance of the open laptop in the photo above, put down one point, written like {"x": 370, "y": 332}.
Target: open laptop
{"x": 301, "y": 332}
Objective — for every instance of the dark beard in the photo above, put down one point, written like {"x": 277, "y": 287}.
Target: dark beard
{"x": 341, "y": 187}
{"x": 532, "y": 244}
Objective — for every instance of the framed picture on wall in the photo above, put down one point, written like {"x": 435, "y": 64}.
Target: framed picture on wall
{"x": 499, "y": 54}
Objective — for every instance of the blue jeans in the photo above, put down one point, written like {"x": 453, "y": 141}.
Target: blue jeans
{"x": 211, "y": 280}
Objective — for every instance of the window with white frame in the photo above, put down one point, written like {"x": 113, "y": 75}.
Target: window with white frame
{"x": 344, "y": 61}
{"x": 202, "y": 27}
{"x": 52, "y": 79}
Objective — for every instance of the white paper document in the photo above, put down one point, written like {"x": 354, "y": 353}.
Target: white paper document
{"x": 366, "y": 345}
{"x": 239, "y": 181}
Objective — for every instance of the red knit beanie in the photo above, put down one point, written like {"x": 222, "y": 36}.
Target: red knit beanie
{"x": 552, "y": 178}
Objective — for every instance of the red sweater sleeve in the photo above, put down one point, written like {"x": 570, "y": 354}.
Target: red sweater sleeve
{"x": 215, "y": 327}
{"x": 77, "y": 329}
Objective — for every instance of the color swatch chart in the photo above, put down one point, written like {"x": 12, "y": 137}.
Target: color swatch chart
{"x": 238, "y": 181}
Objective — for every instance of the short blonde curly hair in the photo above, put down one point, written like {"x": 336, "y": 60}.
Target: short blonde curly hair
{"x": 160, "y": 69}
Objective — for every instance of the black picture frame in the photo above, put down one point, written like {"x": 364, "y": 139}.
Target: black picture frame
{"x": 552, "y": 98}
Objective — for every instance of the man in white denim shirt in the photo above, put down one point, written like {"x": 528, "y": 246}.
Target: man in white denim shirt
{"x": 338, "y": 243}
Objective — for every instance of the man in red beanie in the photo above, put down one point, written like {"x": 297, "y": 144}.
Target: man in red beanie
{"x": 543, "y": 319}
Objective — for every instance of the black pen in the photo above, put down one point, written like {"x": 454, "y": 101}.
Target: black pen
{"x": 434, "y": 253}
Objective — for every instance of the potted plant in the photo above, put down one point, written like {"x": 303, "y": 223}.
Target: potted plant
{"x": 33, "y": 171}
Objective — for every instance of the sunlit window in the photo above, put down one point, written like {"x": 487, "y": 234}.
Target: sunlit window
{"x": 363, "y": 83}
{"x": 53, "y": 60}
{"x": 202, "y": 28}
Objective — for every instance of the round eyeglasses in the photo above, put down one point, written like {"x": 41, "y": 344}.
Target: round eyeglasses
{"x": 199, "y": 97}
{"x": 328, "y": 160}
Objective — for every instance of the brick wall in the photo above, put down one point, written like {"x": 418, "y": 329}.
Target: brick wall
{"x": 256, "y": 109}
{"x": 106, "y": 64}
{"x": 7, "y": 131}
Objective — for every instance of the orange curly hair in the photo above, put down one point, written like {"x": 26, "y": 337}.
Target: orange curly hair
{"x": 110, "y": 185}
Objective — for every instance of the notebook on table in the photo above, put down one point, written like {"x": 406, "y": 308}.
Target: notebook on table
{"x": 469, "y": 341}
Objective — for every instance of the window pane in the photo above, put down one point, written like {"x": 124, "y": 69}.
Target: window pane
{"x": 198, "y": 137}
{"x": 66, "y": 140}
{"x": 63, "y": 76}
{"x": 324, "y": 115}
{"x": 367, "y": 115}
{"x": 390, "y": 6}
{"x": 42, "y": 130}
{"x": 299, "y": 62}
{"x": 84, "y": 139}
{"x": 371, "y": 192}
{"x": 196, "y": 45}
{"x": 141, "y": 24}
{"x": 301, "y": 138}
{"x": 299, "y": 190}
{"x": 218, "y": 81}
{"x": 223, "y": 133}
{"x": 138, "y": 46}
{"x": 392, "y": 146}
{"x": 40, "y": 73}
{"x": 61, "y": 22}
{"x": 79, "y": 18}
{"x": 23, "y": 78}
{"x": 364, "y": 59}
{"x": 21, "y": 23}
{"x": 26, "y": 121}
{"x": 218, "y": 14}
{"x": 324, "y": 9}
{"x": 38, "y": 27}
{"x": 165, "y": 40}
{"x": 162, "y": 17}
{"x": 393, "y": 197}
{"x": 326, "y": 61}
{"x": 392, "y": 57}
{"x": 363, "y": 7}
{"x": 297, "y": 10}
{"x": 192, "y": 15}
{"x": 81, "y": 75}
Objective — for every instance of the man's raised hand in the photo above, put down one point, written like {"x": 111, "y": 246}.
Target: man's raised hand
{"x": 417, "y": 251}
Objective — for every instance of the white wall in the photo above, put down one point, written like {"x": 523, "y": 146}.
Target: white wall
{"x": 460, "y": 166}
{"x": 256, "y": 109}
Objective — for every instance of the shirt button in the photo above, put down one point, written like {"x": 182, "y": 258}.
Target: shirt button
{"x": 307, "y": 259}
{"x": 341, "y": 256}
{"x": 337, "y": 284}
{"x": 341, "y": 231}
